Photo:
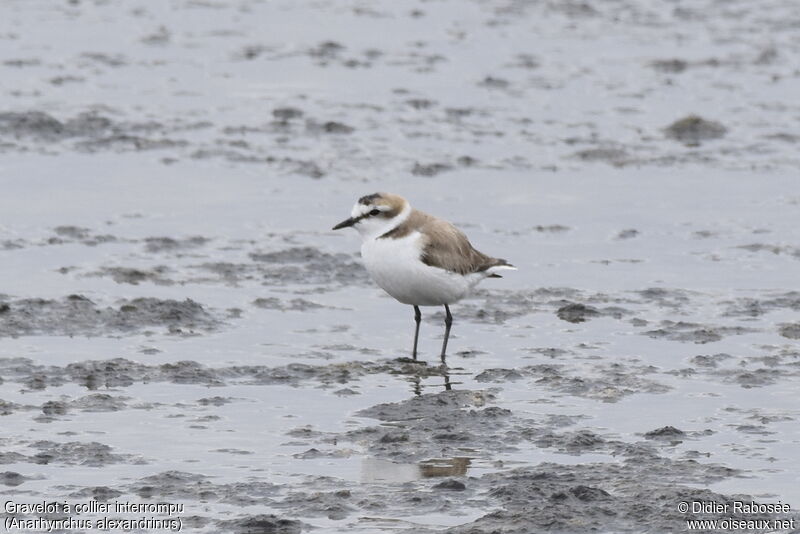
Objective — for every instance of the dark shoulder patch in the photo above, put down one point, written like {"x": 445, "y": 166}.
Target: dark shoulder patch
{"x": 415, "y": 221}
{"x": 397, "y": 232}
{"x": 368, "y": 199}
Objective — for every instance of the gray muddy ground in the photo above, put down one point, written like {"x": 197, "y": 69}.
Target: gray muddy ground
{"x": 179, "y": 325}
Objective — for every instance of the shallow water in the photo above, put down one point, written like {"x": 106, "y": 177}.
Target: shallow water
{"x": 644, "y": 353}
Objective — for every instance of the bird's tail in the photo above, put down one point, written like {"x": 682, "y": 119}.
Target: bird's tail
{"x": 498, "y": 265}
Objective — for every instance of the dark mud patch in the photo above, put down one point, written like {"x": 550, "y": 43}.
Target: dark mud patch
{"x": 74, "y": 232}
{"x": 577, "y": 442}
{"x": 297, "y": 304}
{"x": 571, "y": 305}
{"x": 773, "y": 249}
{"x": 492, "y": 82}
{"x": 98, "y": 493}
{"x": 98, "y": 402}
{"x": 287, "y": 113}
{"x": 612, "y": 156}
{"x": 620, "y": 496}
{"x": 215, "y": 401}
{"x": 296, "y": 265}
{"x": 89, "y": 131}
{"x": 328, "y": 127}
{"x": 308, "y": 168}
{"x": 604, "y": 381}
{"x": 90, "y": 454}
{"x": 170, "y": 244}
{"x": 693, "y": 130}
{"x": 180, "y": 485}
{"x": 628, "y": 233}
{"x": 790, "y": 330}
{"x": 45, "y": 127}
{"x": 133, "y": 276}
{"x": 751, "y": 307}
{"x": 664, "y": 297}
{"x": 78, "y": 234}
{"x": 551, "y": 228}
{"x": 747, "y": 307}
{"x": 127, "y": 142}
{"x": 13, "y": 244}
{"x": 712, "y": 360}
{"x": 261, "y": 524}
{"x": 333, "y": 504}
{"x": 670, "y": 66}
{"x": 326, "y": 497}
{"x": 441, "y": 425}
{"x": 430, "y": 169}
{"x": 464, "y": 423}
{"x": 634, "y": 496}
{"x": 76, "y": 315}
{"x": 548, "y": 497}
{"x": 316, "y": 496}
{"x": 575, "y": 312}
{"x": 687, "y": 332}
{"x": 12, "y": 479}
{"x": 498, "y": 375}
{"x": 775, "y": 364}
{"x": 121, "y": 372}
{"x": 665, "y": 432}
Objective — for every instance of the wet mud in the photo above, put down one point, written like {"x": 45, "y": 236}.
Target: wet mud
{"x": 431, "y": 441}
{"x": 76, "y": 315}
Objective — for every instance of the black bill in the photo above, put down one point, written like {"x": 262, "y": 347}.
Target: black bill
{"x": 344, "y": 224}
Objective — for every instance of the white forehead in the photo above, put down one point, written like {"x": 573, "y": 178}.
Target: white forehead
{"x": 361, "y": 209}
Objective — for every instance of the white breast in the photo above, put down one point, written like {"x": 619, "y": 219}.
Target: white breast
{"x": 396, "y": 267}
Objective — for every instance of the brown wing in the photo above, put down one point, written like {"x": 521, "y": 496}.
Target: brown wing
{"x": 448, "y": 248}
{"x": 445, "y": 245}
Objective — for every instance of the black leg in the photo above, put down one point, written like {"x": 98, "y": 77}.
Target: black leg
{"x": 417, "y": 319}
{"x": 448, "y": 321}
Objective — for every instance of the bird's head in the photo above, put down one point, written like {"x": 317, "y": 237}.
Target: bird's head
{"x": 376, "y": 214}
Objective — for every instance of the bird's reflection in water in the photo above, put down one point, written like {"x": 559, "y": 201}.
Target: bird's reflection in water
{"x": 376, "y": 470}
{"x": 417, "y": 386}
{"x": 445, "y": 467}
{"x": 436, "y": 379}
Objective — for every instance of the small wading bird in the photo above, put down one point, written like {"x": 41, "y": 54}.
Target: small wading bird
{"x": 416, "y": 258}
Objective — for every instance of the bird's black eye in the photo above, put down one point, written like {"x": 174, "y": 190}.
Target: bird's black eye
{"x": 374, "y": 212}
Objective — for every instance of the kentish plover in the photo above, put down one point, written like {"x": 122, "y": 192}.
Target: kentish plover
{"x": 416, "y": 258}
